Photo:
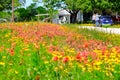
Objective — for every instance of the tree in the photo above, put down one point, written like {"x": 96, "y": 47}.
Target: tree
{"x": 12, "y": 10}
{"x": 74, "y": 6}
{"x": 41, "y": 10}
{"x": 52, "y": 6}
{"x": 101, "y": 5}
{"x": 5, "y": 4}
{"x": 115, "y": 5}
{"x": 14, "y": 2}
{"x": 27, "y": 14}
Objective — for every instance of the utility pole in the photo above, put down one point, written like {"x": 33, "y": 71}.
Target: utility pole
{"x": 12, "y": 10}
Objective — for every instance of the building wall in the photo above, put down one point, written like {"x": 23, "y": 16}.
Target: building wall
{"x": 80, "y": 16}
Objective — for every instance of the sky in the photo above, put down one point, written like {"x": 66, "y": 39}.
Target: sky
{"x": 28, "y": 2}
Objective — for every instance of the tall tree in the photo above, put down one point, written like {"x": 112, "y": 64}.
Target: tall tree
{"x": 12, "y": 10}
{"x": 14, "y": 3}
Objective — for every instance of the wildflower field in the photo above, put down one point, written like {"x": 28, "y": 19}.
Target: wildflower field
{"x": 42, "y": 51}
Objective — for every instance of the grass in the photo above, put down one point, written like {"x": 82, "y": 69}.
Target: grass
{"x": 106, "y": 26}
{"x": 93, "y": 34}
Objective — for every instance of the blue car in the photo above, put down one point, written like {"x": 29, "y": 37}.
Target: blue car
{"x": 105, "y": 20}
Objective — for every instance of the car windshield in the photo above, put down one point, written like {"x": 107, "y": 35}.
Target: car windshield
{"x": 105, "y": 17}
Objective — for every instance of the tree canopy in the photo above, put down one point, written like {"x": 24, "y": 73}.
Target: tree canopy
{"x": 29, "y": 13}
{"x": 72, "y": 6}
{"x": 7, "y": 4}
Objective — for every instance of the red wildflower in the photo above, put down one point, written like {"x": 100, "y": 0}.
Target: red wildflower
{"x": 85, "y": 45}
{"x": 65, "y": 59}
{"x": 78, "y": 57}
{"x": 11, "y": 52}
{"x": 37, "y": 78}
{"x": 85, "y": 61}
{"x": 81, "y": 56}
{"x": 55, "y": 58}
{"x": 103, "y": 50}
{"x": 118, "y": 49}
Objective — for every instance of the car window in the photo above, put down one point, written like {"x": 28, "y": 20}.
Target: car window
{"x": 105, "y": 17}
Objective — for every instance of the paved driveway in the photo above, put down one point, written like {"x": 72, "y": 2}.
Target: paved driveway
{"x": 106, "y": 30}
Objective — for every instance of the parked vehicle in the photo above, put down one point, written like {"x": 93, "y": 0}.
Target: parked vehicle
{"x": 106, "y": 20}
{"x": 116, "y": 19}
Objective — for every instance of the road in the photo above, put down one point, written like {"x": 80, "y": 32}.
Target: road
{"x": 106, "y": 30}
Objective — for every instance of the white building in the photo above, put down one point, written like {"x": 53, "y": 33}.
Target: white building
{"x": 63, "y": 17}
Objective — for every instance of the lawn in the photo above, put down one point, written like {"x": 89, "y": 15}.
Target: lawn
{"x": 44, "y": 51}
{"x": 93, "y": 34}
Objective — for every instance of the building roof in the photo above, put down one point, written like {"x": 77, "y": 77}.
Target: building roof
{"x": 42, "y": 15}
{"x": 63, "y": 12}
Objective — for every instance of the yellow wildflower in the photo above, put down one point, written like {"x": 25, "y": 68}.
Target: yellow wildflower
{"x": 10, "y": 63}
{"x": 16, "y": 72}
{"x": 70, "y": 58}
{"x": 61, "y": 67}
{"x": 89, "y": 69}
{"x": 46, "y": 62}
{"x": 2, "y": 63}
{"x": 105, "y": 59}
{"x": 114, "y": 50}
{"x": 88, "y": 65}
{"x": 26, "y": 49}
{"x": 3, "y": 57}
{"x": 96, "y": 67}
{"x": 66, "y": 71}
{"x": 107, "y": 74}
{"x": 56, "y": 68}
{"x": 83, "y": 68}
{"x": 60, "y": 56}
{"x": 70, "y": 64}
{"x": 43, "y": 44}
{"x": 97, "y": 63}
{"x": 7, "y": 35}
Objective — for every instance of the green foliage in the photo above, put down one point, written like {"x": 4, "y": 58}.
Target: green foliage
{"x": 29, "y": 13}
{"x": 41, "y": 10}
{"x": 78, "y": 5}
{"x": 52, "y": 6}
{"x": 7, "y": 4}
{"x": 5, "y": 15}
{"x": 115, "y": 5}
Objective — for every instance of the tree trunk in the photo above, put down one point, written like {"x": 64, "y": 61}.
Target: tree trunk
{"x": 116, "y": 14}
{"x": 73, "y": 17}
{"x": 12, "y": 10}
